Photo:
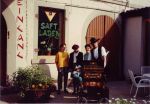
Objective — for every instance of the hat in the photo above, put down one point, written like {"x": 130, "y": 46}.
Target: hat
{"x": 93, "y": 40}
{"x": 75, "y": 47}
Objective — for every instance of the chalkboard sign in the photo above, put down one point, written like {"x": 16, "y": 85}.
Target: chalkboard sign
{"x": 50, "y": 30}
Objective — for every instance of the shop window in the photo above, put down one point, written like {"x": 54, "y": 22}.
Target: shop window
{"x": 50, "y": 30}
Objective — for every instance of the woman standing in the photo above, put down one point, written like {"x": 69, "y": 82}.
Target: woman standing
{"x": 61, "y": 61}
{"x": 88, "y": 54}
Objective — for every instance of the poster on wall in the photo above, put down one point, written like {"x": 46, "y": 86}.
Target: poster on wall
{"x": 50, "y": 30}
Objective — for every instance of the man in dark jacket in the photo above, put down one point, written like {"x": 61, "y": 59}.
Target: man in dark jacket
{"x": 99, "y": 54}
{"x": 75, "y": 60}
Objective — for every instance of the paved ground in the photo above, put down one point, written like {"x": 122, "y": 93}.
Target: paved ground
{"x": 116, "y": 89}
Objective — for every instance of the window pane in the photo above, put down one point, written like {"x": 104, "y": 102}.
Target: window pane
{"x": 50, "y": 30}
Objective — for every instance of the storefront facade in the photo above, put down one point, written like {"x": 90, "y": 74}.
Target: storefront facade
{"x": 36, "y": 28}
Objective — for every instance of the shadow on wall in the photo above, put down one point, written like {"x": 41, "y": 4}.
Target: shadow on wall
{"x": 147, "y": 41}
{"x": 113, "y": 42}
{"x": 45, "y": 67}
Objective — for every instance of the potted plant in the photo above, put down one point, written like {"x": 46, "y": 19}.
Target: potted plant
{"x": 33, "y": 82}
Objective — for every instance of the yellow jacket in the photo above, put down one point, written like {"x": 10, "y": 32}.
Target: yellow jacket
{"x": 62, "y": 59}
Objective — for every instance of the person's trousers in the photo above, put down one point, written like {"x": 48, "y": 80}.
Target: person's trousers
{"x": 62, "y": 72}
{"x": 76, "y": 84}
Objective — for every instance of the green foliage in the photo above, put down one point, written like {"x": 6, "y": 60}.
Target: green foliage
{"x": 31, "y": 77}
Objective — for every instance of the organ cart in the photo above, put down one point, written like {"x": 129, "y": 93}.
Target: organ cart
{"x": 94, "y": 84}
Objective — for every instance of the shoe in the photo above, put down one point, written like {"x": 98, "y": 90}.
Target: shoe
{"x": 52, "y": 96}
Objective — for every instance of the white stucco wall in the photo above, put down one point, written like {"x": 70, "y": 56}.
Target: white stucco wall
{"x": 12, "y": 22}
{"x": 79, "y": 13}
{"x": 11, "y": 42}
{"x": 143, "y": 3}
{"x": 30, "y": 30}
{"x": 76, "y": 20}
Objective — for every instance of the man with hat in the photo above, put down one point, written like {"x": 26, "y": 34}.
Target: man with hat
{"x": 98, "y": 54}
{"x": 75, "y": 62}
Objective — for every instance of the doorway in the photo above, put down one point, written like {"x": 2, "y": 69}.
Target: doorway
{"x": 3, "y": 49}
{"x": 105, "y": 28}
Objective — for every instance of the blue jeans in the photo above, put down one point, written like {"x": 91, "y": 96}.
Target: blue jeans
{"x": 77, "y": 76}
{"x": 76, "y": 82}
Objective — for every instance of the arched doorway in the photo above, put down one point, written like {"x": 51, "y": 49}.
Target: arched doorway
{"x": 3, "y": 48}
{"x": 106, "y": 29}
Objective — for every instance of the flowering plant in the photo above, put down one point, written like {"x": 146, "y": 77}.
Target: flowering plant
{"x": 123, "y": 101}
{"x": 126, "y": 101}
{"x": 30, "y": 78}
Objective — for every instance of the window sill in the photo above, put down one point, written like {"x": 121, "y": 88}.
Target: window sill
{"x": 43, "y": 60}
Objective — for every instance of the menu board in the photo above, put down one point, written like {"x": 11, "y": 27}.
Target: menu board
{"x": 49, "y": 30}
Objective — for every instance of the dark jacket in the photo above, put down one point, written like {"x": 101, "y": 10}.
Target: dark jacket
{"x": 99, "y": 60}
{"x": 79, "y": 60}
